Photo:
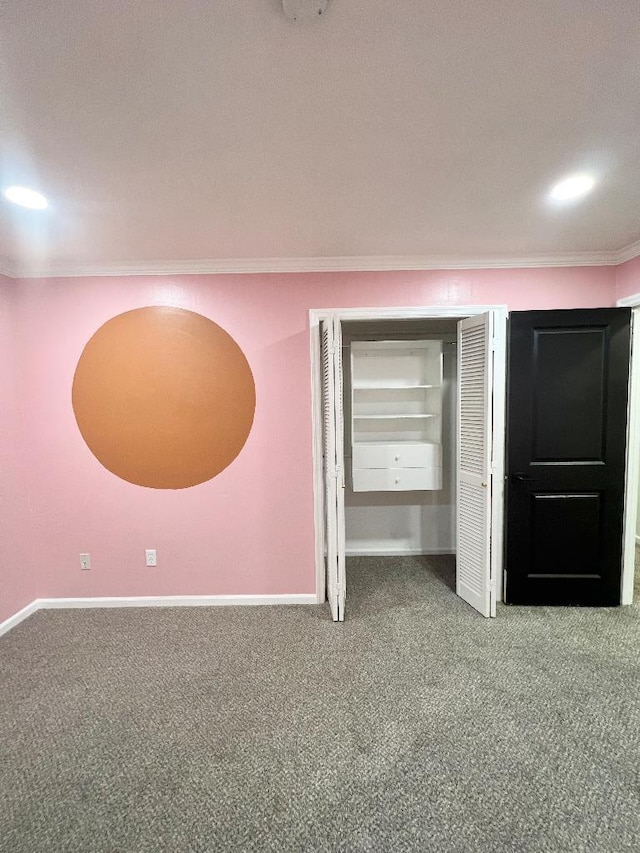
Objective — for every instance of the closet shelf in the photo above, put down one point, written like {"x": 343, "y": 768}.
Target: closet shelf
{"x": 392, "y": 417}
{"x": 384, "y": 442}
{"x": 370, "y": 386}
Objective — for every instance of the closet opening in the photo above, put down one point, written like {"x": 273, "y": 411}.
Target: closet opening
{"x": 399, "y": 397}
{"x": 408, "y": 413}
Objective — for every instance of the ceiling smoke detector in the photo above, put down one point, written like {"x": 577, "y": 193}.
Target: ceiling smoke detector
{"x": 300, "y": 11}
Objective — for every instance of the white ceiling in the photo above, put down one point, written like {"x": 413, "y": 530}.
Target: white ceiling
{"x": 206, "y": 132}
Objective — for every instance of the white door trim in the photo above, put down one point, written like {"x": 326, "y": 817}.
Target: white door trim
{"x": 500, "y": 313}
{"x": 632, "y": 475}
{"x": 316, "y": 438}
{"x": 498, "y": 462}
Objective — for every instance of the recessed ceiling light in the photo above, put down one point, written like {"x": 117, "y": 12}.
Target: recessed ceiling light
{"x": 572, "y": 188}
{"x": 25, "y": 197}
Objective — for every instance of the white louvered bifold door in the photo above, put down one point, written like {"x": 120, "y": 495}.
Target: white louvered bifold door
{"x": 475, "y": 383}
{"x": 332, "y": 444}
{"x": 340, "y": 482}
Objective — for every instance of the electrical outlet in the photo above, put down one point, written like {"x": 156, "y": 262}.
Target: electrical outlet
{"x": 85, "y": 562}
{"x": 150, "y": 554}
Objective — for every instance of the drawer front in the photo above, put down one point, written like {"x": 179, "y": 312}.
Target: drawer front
{"x": 396, "y": 479}
{"x": 397, "y": 456}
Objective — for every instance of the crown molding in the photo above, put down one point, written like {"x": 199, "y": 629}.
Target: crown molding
{"x": 632, "y": 301}
{"x": 7, "y": 269}
{"x": 628, "y": 253}
{"x": 365, "y": 263}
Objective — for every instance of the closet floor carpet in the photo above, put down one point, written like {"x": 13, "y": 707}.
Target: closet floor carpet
{"x": 417, "y": 725}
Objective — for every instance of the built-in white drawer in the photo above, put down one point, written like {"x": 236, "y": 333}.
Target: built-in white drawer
{"x": 397, "y": 455}
{"x": 396, "y": 479}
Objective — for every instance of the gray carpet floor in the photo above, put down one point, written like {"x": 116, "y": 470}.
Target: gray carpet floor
{"x": 416, "y": 725}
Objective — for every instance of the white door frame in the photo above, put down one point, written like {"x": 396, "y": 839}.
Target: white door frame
{"x": 632, "y": 475}
{"x": 453, "y": 312}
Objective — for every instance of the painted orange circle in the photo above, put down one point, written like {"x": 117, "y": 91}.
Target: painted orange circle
{"x": 163, "y": 397}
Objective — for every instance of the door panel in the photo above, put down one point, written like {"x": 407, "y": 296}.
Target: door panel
{"x": 565, "y": 531}
{"x": 566, "y": 436}
{"x": 569, "y": 404}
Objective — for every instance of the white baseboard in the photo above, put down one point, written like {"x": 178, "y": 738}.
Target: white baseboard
{"x": 18, "y": 617}
{"x": 176, "y": 601}
{"x": 399, "y": 552}
{"x": 155, "y": 601}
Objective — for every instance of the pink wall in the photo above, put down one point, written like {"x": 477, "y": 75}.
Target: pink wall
{"x": 17, "y": 580}
{"x": 628, "y": 278}
{"x": 249, "y": 530}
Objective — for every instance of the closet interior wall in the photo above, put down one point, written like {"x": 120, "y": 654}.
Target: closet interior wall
{"x": 411, "y": 522}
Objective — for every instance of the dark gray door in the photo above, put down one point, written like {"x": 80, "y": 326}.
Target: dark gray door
{"x": 566, "y": 450}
